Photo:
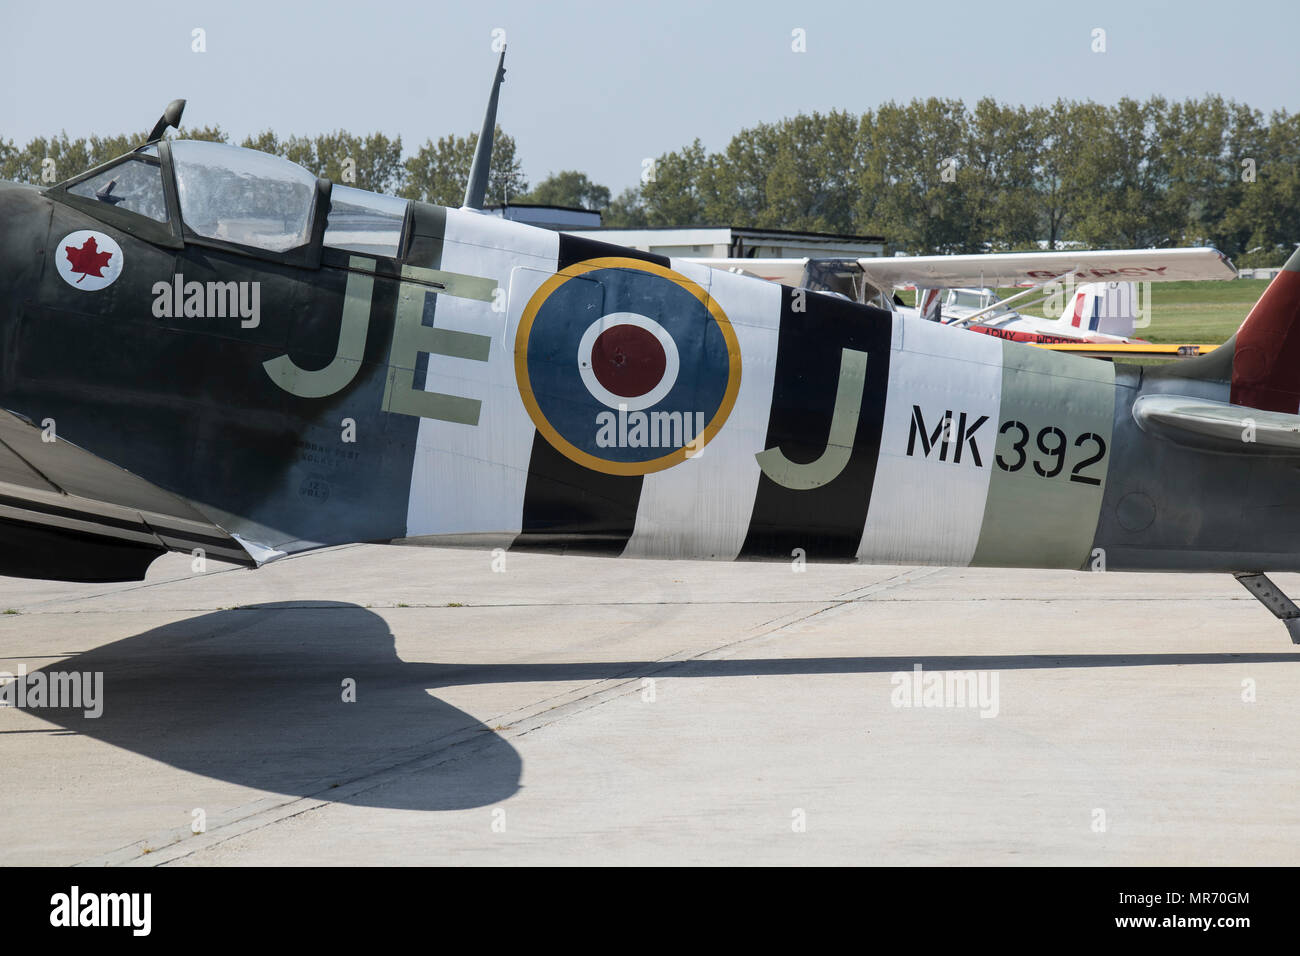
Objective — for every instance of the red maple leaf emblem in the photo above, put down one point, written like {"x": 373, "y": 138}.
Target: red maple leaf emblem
{"x": 88, "y": 260}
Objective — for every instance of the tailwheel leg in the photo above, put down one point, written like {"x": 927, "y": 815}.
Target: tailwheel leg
{"x": 1271, "y": 596}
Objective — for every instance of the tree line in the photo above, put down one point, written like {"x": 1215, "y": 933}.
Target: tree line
{"x": 931, "y": 176}
{"x": 436, "y": 173}
{"x": 934, "y": 176}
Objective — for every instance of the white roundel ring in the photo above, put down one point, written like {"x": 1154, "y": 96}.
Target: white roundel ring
{"x": 88, "y": 260}
{"x": 608, "y": 326}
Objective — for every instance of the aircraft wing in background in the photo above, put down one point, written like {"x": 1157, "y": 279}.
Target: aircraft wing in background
{"x": 1005, "y": 269}
{"x": 1031, "y": 268}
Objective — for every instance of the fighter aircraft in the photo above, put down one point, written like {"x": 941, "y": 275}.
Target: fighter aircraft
{"x": 210, "y": 349}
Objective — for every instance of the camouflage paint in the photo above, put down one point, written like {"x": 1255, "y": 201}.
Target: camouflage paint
{"x": 1039, "y": 514}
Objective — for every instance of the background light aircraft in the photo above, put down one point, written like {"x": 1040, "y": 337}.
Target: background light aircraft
{"x": 208, "y": 347}
{"x": 1099, "y": 312}
{"x": 1096, "y": 291}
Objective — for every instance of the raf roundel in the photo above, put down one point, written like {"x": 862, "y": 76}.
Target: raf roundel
{"x": 628, "y": 359}
{"x": 625, "y": 366}
{"x": 88, "y": 260}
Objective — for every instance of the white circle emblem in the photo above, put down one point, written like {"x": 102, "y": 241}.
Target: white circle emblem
{"x": 602, "y": 394}
{"x": 88, "y": 260}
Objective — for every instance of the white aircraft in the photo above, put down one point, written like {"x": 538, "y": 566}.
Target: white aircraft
{"x": 1098, "y": 290}
{"x": 1099, "y": 312}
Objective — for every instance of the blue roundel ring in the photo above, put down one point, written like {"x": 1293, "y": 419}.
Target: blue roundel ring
{"x": 602, "y": 318}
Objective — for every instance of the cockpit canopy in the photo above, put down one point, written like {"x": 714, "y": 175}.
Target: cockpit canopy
{"x": 134, "y": 185}
{"x": 234, "y": 197}
{"x": 365, "y": 222}
{"x": 243, "y": 196}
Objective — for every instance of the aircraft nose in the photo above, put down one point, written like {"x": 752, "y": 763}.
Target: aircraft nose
{"x": 24, "y": 227}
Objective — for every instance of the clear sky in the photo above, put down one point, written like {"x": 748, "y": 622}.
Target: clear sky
{"x": 597, "y": 86}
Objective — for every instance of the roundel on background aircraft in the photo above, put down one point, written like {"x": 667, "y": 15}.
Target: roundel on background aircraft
{"x": 625, "y": 366}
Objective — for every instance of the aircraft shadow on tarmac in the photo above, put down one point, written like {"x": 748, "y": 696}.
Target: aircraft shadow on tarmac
{"x": 253, "y": 696}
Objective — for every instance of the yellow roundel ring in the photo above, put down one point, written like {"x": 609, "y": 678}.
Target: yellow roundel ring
{"x": 566, "y": 447}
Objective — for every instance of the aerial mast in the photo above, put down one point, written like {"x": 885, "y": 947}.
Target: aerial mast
{"x": 476, "y": 188}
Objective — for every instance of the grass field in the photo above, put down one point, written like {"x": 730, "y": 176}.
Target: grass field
{"x": 1202, "y": 313}
{"x": 1185, "y": 313}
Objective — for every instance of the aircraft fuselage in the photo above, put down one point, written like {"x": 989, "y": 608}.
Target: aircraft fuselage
{"x": 498, "y": 385}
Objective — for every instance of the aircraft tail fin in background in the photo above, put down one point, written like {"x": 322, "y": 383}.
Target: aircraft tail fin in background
{"x": 1266, "y": 357}
{"x": 929, "y": 303}
{"x": 1109, "y": 308}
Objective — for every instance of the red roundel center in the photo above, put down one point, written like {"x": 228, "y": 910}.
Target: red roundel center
{"x": 628, "y": 360}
